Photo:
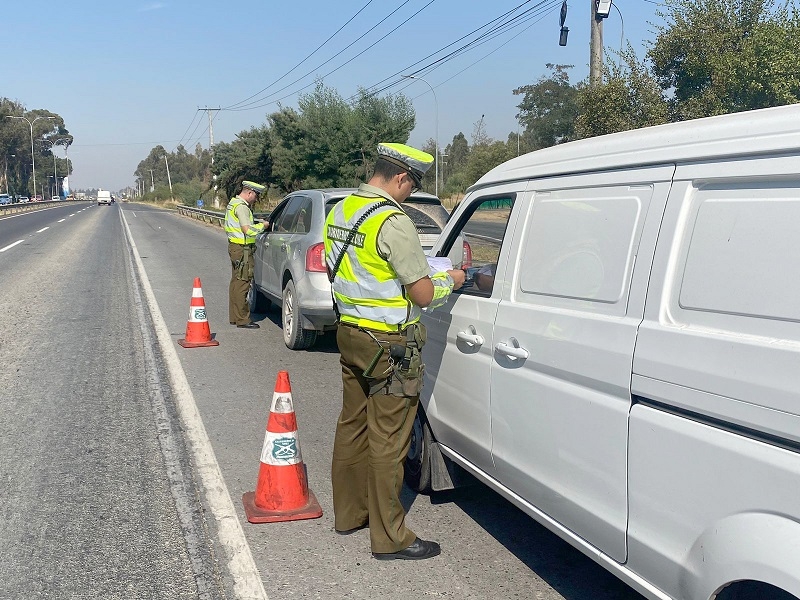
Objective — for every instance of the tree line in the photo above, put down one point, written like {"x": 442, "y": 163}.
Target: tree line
{"x": 709, "y": 57}
{"x": 48, "y": 132}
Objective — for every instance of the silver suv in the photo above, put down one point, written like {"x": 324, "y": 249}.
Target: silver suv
{"x": 290, "y": 259}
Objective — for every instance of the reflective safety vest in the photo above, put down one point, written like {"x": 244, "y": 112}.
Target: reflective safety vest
{"x": 366, "y": 289}
{"x": 234, "y": 229}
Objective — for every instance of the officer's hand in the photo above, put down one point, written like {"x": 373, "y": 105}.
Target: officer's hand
{"x": 459, "y": 276}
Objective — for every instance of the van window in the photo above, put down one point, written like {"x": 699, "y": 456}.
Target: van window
{"x": 743, "y": 254}
{"x": 476, "y": 245}
{"x": 580, "y": 244}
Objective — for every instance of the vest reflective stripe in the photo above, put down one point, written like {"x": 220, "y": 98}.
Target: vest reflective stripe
{"x": 232, "y": 226}
{"x": 366, "y": 288}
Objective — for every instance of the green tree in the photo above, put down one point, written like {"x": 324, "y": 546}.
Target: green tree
{"x": 330, "y": 142}
{"x": 628, "y": 98}
{"x": 484, "y": 157}
{"x": 15, "y": 139}
{"x": 15, "y": 146}
{"x": 722, "y": 56}
{"x": 152, "y": 170}
{"x": 456, "y": 153}
{"x": 249, "y": 157}
{"x": 548, "y": 109}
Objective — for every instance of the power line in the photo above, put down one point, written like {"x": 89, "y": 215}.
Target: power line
{"x": 500, "y": 46}
{"x": 358, "y": 54}
{"x": 235, "y": 104}
{"x": 495, "y": 30}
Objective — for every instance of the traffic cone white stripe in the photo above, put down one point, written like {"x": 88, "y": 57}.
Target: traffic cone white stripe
{"x": 197, "y": 314}
{"x": 281, "y": 449}
{"x": 281, "y": 403}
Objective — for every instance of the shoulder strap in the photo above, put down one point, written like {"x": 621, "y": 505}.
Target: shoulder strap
{"x": 351, "y": 236}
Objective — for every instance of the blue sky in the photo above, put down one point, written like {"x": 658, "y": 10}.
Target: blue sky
{"x": 128, "y": 75}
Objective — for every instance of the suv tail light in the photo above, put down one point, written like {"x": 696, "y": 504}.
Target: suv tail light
{"x": 466, "y": 256}
{"x": 315, "y": 258}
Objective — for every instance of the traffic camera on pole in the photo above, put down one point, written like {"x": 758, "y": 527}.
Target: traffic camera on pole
{"x": 603, "y": 8}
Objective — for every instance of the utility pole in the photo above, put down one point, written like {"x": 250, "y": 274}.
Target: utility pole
{"x": 211, "y": 150}
{"x": 169, "y": 179}
{"x": 596, "y": 48}
{"x": 152, "y": 183}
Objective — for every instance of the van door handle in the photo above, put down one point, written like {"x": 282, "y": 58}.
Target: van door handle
{"x": 471, "y": 337}
{"x": 513, "y": 352}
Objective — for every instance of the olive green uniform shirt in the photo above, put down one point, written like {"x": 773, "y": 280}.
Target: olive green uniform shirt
{"x": 398, "y": 241}
{"x": 244, "y": 214}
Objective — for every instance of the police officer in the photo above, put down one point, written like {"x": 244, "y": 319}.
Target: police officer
{"x": 242, "y": 231}
{"x": 381, "y": 280}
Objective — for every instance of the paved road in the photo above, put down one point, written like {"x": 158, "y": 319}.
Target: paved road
{"x": 84, "y": 336}
{"x": 87, "y": 506}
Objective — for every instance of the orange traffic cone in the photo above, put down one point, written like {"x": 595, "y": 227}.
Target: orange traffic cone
{"x": 282, "y": 492}
{"x": 197, "y": 332}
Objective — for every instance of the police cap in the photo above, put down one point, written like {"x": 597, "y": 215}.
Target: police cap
{"x": 252, "y": 185}
{"x": 415, "y": 161}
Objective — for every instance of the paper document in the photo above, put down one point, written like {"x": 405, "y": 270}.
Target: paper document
{"x": 439, "y": 264}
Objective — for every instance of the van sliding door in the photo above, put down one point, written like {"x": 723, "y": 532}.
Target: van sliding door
{"x": 563, "y": 345}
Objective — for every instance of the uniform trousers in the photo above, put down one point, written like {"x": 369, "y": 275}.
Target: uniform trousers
{"x": 238, "y": 308}
{"x": 373, "y": 435}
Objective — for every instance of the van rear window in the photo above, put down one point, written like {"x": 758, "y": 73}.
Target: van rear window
{"x": 743, "y": 254}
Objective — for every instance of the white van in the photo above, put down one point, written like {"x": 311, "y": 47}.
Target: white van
{"x": 629, "y": 372}
{"x": 103, "y": 197}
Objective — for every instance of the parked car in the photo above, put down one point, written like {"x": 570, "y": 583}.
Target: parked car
{"x": 23, "y": 199}
{"x": 290, "y": 259}
{"x": 5, "y": 199}
{"x": 629, "y": 377}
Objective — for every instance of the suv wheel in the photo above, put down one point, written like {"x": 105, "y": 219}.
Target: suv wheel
{"x": 417, "y": 469}
{"x": 294, "y": 336}
{"x": 257, "y": 301}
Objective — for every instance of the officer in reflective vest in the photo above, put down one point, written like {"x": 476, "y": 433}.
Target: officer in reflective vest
{"x": 242, "y": 231}
{"x": 380, "y": 280}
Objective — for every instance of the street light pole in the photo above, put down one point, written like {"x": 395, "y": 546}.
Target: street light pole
{"x": 55, "y": 171}
{"x": 33, "y": 159}
{"x": 436, "y": 140}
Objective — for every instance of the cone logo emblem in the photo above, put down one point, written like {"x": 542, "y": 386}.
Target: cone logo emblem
{"x": 284, "y": 449}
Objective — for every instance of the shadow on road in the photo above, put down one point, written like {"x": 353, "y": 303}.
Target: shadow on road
{"x": 562, "y": 567}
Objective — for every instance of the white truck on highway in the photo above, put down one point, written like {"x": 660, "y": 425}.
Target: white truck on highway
{"x": 103, "y": 197}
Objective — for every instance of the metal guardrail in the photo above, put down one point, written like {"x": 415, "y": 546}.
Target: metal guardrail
{"x": 18, "y": 207}
{"x": 209, "y": 216}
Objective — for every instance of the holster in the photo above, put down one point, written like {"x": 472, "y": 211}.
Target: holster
{"x": 244, "y": 267}
{"x": 408, "y": 370}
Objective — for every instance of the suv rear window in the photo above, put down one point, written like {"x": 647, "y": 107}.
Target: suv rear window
{"x": 427, "y": 213}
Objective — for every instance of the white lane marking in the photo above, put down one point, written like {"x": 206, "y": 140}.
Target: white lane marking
{"x": 72, "y": 215}
{"x": 247, "y": 580}
{"x": 62, "y": 220}
{"x": 11, "y": 245}
{"x": 43, "y": 229}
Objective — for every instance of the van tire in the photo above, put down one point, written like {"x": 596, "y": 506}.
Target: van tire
{"x": 294, "y": 336}
{"x": 257, "y": 301}
{"x": 417, "y": 471}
